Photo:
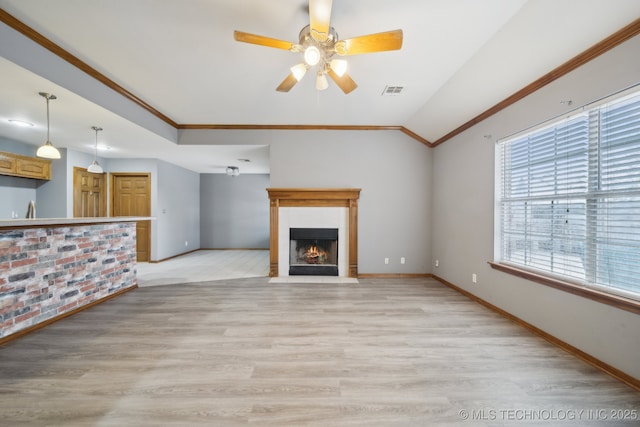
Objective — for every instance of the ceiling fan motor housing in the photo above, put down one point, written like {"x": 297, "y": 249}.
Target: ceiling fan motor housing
{"x": 325, "y": 47}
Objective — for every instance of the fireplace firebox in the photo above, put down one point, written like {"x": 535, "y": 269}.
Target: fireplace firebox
{"x": 313, "y": 252}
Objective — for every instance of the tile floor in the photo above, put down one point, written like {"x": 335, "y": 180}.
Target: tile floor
{"x": 205, "y": 265}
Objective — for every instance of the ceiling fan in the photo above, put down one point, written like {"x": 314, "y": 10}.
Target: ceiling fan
{"x": 319, "y": 43}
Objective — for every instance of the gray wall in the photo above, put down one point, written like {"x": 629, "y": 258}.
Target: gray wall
{"x": 55, "y": 197}
{"x": 16, "y": 193}
{"x": 394, "y": 173}
{"x": 175, "y": 204}
{"x": 234, "y": 211}
{"x": 178, "y": 211}
{"x": 463, "y": 222}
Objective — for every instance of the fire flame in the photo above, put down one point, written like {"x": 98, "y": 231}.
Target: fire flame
{"x": 313, "y": 255}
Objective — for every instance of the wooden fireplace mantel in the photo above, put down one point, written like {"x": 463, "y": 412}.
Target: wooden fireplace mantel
{"x": 314, "y": 197}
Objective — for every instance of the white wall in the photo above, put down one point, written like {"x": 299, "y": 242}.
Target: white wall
{"x": 463, "y": 206}
{"x": 394, "y": 173}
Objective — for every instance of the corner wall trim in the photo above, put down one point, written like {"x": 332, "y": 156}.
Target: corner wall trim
{"x": 585, "y": 357}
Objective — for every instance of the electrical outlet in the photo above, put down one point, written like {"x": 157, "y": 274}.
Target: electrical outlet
{"x": 402, "y": 260}
{"x": 386, "y": 260}
{"x": 437, "y": 263}
{"x": 474, "y": 278}
{"x": 186, "y": 243}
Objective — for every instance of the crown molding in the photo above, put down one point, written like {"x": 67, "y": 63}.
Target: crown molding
{"x": 38, "y": 38}
{"x": 617, "y": 38}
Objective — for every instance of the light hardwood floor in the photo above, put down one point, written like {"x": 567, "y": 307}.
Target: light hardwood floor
{"x": 233, "y": 352}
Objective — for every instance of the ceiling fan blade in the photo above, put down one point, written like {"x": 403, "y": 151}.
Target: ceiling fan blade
{"x": 286, "y": 85}
{"x": 262, "y": 41}
{"x": 319, "y": 17}
{"x": 379, "y": 42}
{"x": 345, "y": 82}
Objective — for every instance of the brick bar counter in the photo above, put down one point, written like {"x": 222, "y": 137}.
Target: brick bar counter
{"x": 52, "y": 268}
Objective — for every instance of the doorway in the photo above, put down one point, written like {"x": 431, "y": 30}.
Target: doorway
{"x": 131, "y": 196}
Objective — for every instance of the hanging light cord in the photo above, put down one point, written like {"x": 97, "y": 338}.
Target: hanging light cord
{"x": 48, "y": 96}
{"x": 95, "y": 157}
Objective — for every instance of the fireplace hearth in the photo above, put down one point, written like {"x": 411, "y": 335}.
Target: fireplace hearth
{"x": 313, "y": 251}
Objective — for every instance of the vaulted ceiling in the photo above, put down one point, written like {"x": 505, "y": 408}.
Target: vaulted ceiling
{"x": 180, "y": 62}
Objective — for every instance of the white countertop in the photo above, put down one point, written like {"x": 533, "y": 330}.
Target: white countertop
{"x": 38, "y": 222}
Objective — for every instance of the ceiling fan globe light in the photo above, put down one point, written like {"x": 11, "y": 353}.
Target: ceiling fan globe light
{"x": 339, "y": 66}
{"x": 312, "y": 56}
{"x": 321, "y": 82}
{"x": 298, "y": 71}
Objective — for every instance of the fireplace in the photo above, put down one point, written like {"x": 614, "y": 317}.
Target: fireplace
{"x": 313, "y": 252}
{"x": 334, "y": 208}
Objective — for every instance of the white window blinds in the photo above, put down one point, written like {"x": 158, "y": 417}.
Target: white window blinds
{"x": 569, "y": 198}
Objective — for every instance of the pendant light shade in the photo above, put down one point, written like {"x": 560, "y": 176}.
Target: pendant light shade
{"x": 95, "y": 166}
{"x": 48, "y": 151}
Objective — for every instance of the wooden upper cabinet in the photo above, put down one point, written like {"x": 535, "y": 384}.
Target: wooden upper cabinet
{"x": 25, "y": 167}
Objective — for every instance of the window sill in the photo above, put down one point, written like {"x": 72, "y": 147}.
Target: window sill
{"x": 620, "y": 302}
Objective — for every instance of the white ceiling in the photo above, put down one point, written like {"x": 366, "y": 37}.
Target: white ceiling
{"x": 459, "y": 58}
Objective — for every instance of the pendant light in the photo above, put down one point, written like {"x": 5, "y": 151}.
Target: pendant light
{"x": 95, "y": 167}
{"x": 48, "y": 151}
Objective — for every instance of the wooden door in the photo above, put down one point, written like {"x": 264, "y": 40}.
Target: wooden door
{"x": 89, "y": 194}
{"x": 131, "y": 196}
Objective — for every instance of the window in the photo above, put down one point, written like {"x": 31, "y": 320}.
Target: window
{"x": 568, "y": 199}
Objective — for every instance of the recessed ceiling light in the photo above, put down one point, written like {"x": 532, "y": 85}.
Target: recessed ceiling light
{"x": 21, "y": 123}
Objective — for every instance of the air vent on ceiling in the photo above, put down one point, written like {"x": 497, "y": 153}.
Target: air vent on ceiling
{"x": 392, "y": 90}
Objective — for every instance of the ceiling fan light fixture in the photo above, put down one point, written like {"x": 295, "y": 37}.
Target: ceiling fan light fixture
{"x": 299, "y": 71}
{"x": 312, "y": 55}
{"x": 321, "y": 81}
{"x": 319, "y": 42}
{"x": 48, "y": 151}
{"x": 233, "y": 171}
{"x": 339, "y": 66}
